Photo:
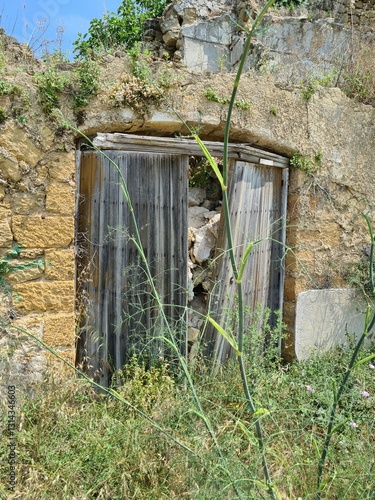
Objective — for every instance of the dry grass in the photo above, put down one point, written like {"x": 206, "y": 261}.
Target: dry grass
{"x": 72, "y": 443}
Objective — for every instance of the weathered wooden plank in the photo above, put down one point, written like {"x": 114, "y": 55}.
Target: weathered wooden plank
{"x": 120, "y": 314}
{"x": 244, "y": 152}
{"x": 255, "y": 198}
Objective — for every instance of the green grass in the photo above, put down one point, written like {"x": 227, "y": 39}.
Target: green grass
{"x": 72, "y": 443}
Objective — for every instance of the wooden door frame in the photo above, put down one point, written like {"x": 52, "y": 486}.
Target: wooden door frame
{"x": 236, "y": 151}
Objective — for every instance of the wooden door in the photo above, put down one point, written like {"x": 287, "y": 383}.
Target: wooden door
{"x": 257, "y": 196}
{"x": 118, "y": 312}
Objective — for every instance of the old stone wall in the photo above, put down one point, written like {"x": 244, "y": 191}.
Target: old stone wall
{"x": 325, "y": 229}
{"x": 316, "y": 38}
{"x": 359, "y": 13}
{"x": 37, "y": 206}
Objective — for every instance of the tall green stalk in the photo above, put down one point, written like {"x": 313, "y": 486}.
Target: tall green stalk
{"x": 236, "y": 268}
{"x": 136, "y": 239}
{"x": 369, "y": 324}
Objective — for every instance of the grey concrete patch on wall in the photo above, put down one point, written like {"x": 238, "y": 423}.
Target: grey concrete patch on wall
{"x": 325, "y": 317}
{"x": 296, "y": 47}
{"x": 206, "y": 44}
{"x": 291, "y": 47}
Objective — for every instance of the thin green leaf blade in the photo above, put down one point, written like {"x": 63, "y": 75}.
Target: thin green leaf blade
{"x": 211, "y": 161}
{"x": 260, "y": 412}
{"x": 229, "y": 338}
{"x": 364, "y": 360}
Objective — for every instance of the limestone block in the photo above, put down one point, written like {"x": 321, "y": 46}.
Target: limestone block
{"x": 42, "y": 176}
{"x": 193, "y": 334}
{"x": 197, "y": 312}
{"x": 24, "y": 275}
{"x": 190, "y": 16}
{"x": 203, "y": 8}
{"x": 211, "y": 205}
{"x": 5, "y": 305}
{"x": 208, "y": 285}
{"x": 62, "y": 167}
{"x": 33, "y": 254}
{"x": 9, "y": 168}
{"x": 199, "y": 274}
{"x": 19, "y": 144}
{"x": 190, "y": 284}
{"x": 216, "y": 31}
{"x": 202, "y": 56}
{"x": 213, "y": 225}
{"x": 196, "y": 196}
{"x": 177, "y": 56}
{"x": 32, "y": 324}
{"x": 199, "y": 216}
{"x": 149, "y": 34}
{"x": 38, "y": 232}
{"x": 36, "y": 365}
{"x": 59, "y": 329}
{"x": 28, "y": 203}
{"x": 54, "y": 364}
{"x": 295, "y": 44}
{"x": 236, "y": 50}
{"x": 205, "y": 243}
{"x": 170, "y": 38}
{"x": 191, "y": 237}
{"x": 59, "y": 265}
{"x": 60, "y": 198}
{"x": 6, "y": 236}
{"x": 43, "y": 296}
{"x": 324, "y": 316}
{"x": 170, "y": 23}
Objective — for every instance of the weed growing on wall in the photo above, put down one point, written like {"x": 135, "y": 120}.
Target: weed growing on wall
{"x": 20, "y": 99}
{"x": 243, "y": 104}
{"x": 51, "y": 84}
{"x": 9, "y": 264}
{"x": 309, "y": 165}
{"x": 144, "y": 87}
{"x": 357, "y": 77}
{"x": 85, "y": 83}
{"x": 135, "y": 93}
{"x": 212, "y": 96}
{"x": 3, "y": 115}
{"x": 6, "y": 87}
{"x": 80, "y": 84}
{"x": 311, "y": 84}
{"x": 273, "y": 110}
{"x": 354, "y": 75}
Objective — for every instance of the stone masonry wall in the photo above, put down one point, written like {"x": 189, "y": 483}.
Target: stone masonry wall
{"x": 37, "y": 186}
{"x": 359, "y": 13}
{"x": 37, "y": 206}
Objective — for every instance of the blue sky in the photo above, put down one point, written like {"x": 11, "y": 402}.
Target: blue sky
{"x": 33, "y": 21}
